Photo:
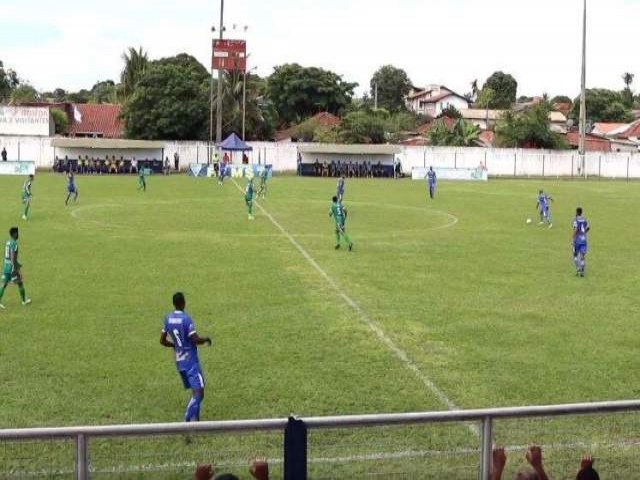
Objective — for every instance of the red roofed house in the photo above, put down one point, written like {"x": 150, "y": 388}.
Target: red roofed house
{"x": 593, "y": 143}
{"x": 432, "y": 100}
{"x": 96, "y": 121}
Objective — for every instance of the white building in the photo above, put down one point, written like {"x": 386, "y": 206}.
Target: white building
{"x": 434, "y": 99}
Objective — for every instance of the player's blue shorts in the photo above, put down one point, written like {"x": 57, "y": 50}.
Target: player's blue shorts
{"x": 192, "y": 378}
{"x": 579, "y": 248}
{"x": 72, "y": 189}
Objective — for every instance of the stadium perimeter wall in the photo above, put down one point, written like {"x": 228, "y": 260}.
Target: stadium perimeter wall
{"x": 283, "y": 156}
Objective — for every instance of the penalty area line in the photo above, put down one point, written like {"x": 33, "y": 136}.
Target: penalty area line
{"x": 372, "y": 324}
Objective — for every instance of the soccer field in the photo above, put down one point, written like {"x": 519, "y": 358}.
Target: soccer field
{"x": 486, "y": 308}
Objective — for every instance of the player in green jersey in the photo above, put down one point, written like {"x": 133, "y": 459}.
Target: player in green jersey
{"x": 339, "y": 214}
{"x": 248, "y": 198}
{"x": 264, "y": 176}
{"x": 142, "y": 183}
{"x": 26, "y": 196}
{"x": 11, "y": 268}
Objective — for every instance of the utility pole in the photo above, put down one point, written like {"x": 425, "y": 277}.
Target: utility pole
{"x": 244, "y": 102}
{"x": 209, "y": 149}
{"x": 583, "y": 95}
{"x": 220, "y": 81}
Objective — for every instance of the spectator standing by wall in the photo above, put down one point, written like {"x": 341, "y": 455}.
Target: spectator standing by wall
{"x": 176, "y": 161}
{"x": 4, "y": 154}
{"x": 167, "y": 168}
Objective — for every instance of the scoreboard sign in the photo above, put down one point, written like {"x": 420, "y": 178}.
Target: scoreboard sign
{"x": 230, "y": 55}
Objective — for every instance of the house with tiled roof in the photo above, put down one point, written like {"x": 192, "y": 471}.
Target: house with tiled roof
{"x": 434, "y": 99}
{"x": 96, "y": 121}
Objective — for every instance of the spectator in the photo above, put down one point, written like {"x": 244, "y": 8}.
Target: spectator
{"x": 134, "y": 165}
{"x": 176, "y": 161}
{"x": 587, "y": 472}
{"x": 4, "y": 154}
{"x": 533, "y": 456}
{"x": 226, "y": 158}
{"x": 167, "y": 168}
{"x": 259, "y": 469}
{"x": 299, "y": 164}
{"x": 245, "y": 159}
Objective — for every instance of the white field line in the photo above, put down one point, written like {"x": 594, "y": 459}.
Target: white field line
{"x": 373, "y": 325}
{"x": 367, "y": 457}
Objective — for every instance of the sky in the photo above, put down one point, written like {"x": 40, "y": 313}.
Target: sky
{"x": 72, "y": 44}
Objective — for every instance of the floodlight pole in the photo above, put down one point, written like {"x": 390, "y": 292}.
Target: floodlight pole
{"x": 583, "y": 95}
{"x": 220, "y": 80}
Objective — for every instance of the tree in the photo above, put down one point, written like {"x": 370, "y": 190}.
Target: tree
{"x": 475, "y": 90}
{"x": 393, "y": 86}
{"x": 8, "y": 82}
{"x": 528, "y": 129}
{"x": 603, "y": 106}
{"x": 364, "y": 127}
{"x": 627, "y": 93}
{"x": 170, "y": 101}
{"x": 461, "y": 134}
{"x": 24, "y": 93}
{"x": 135, "y": 64}
{"x": 104, "y": 92}
{"x": 505, "y": 89}
{"x": 561, "y": 99}
{"x": 60, "y": 120}
{"x": 298, "y": 92}
{"x": 451, "y": 112}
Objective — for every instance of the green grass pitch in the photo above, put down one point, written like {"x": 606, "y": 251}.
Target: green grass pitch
{"x": 485, "y": 306}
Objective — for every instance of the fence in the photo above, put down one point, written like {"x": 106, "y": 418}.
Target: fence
{"x": 296, "y": 431}
{"x": 283, "y": 156}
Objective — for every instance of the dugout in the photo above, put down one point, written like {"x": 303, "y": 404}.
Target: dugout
{"x": 71, "y": 152}
{"x": 316, "y": 160}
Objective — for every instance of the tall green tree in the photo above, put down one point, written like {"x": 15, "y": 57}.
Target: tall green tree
{"x": 135, "y": 64}
{"x": 260, "y": 116}
{"x": 8, "y": 82}
{"x": 528, "y": 129}
{"x": 561, "y": 99}
{"x": 170, "y": 101}
{"x": 393, "y": 85}
{"x": 504, "y": 88}
{"x": 603, "y": 106}
{"x": 627, "y": 93}
{"x": 298, "y": 92}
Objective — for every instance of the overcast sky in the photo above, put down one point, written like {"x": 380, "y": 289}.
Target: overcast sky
{"x": 74, "y": 43}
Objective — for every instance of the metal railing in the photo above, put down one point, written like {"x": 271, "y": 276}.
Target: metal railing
{"x": 296, "y": 430}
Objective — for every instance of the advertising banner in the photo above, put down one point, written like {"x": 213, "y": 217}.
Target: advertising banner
{"x": 17, "y": 168}
{"x": 198, "y": 170}
{"x": 248, "y": 171}
{"x": 461, "y": 174}
{"x": 25, "y": 121}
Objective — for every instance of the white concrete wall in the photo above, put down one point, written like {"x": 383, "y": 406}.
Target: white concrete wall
{"x": 283, "y": 156}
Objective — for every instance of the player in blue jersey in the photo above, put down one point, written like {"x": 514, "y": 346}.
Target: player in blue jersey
{"x": 179, "y": 333}
{"x": 432, "y": 180}
{"x": 544, "y": 208}
{"x": 340, "y": 189}
{"x": 580, "y": 230}
{"x": 72, "y": 188}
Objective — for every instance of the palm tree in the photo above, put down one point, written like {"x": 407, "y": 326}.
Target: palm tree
{"x": 135, "y": 64}
{"x": 627, "y": 78}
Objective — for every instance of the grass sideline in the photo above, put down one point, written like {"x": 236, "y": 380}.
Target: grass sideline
{"x": 487, "y": 308}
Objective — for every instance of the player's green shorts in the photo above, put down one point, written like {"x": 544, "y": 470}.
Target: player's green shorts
{"x": 7, "y": 275}
{"x": 340, "y": 224}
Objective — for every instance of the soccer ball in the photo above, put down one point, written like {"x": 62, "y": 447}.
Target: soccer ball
{"x": 529, "y": 221}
